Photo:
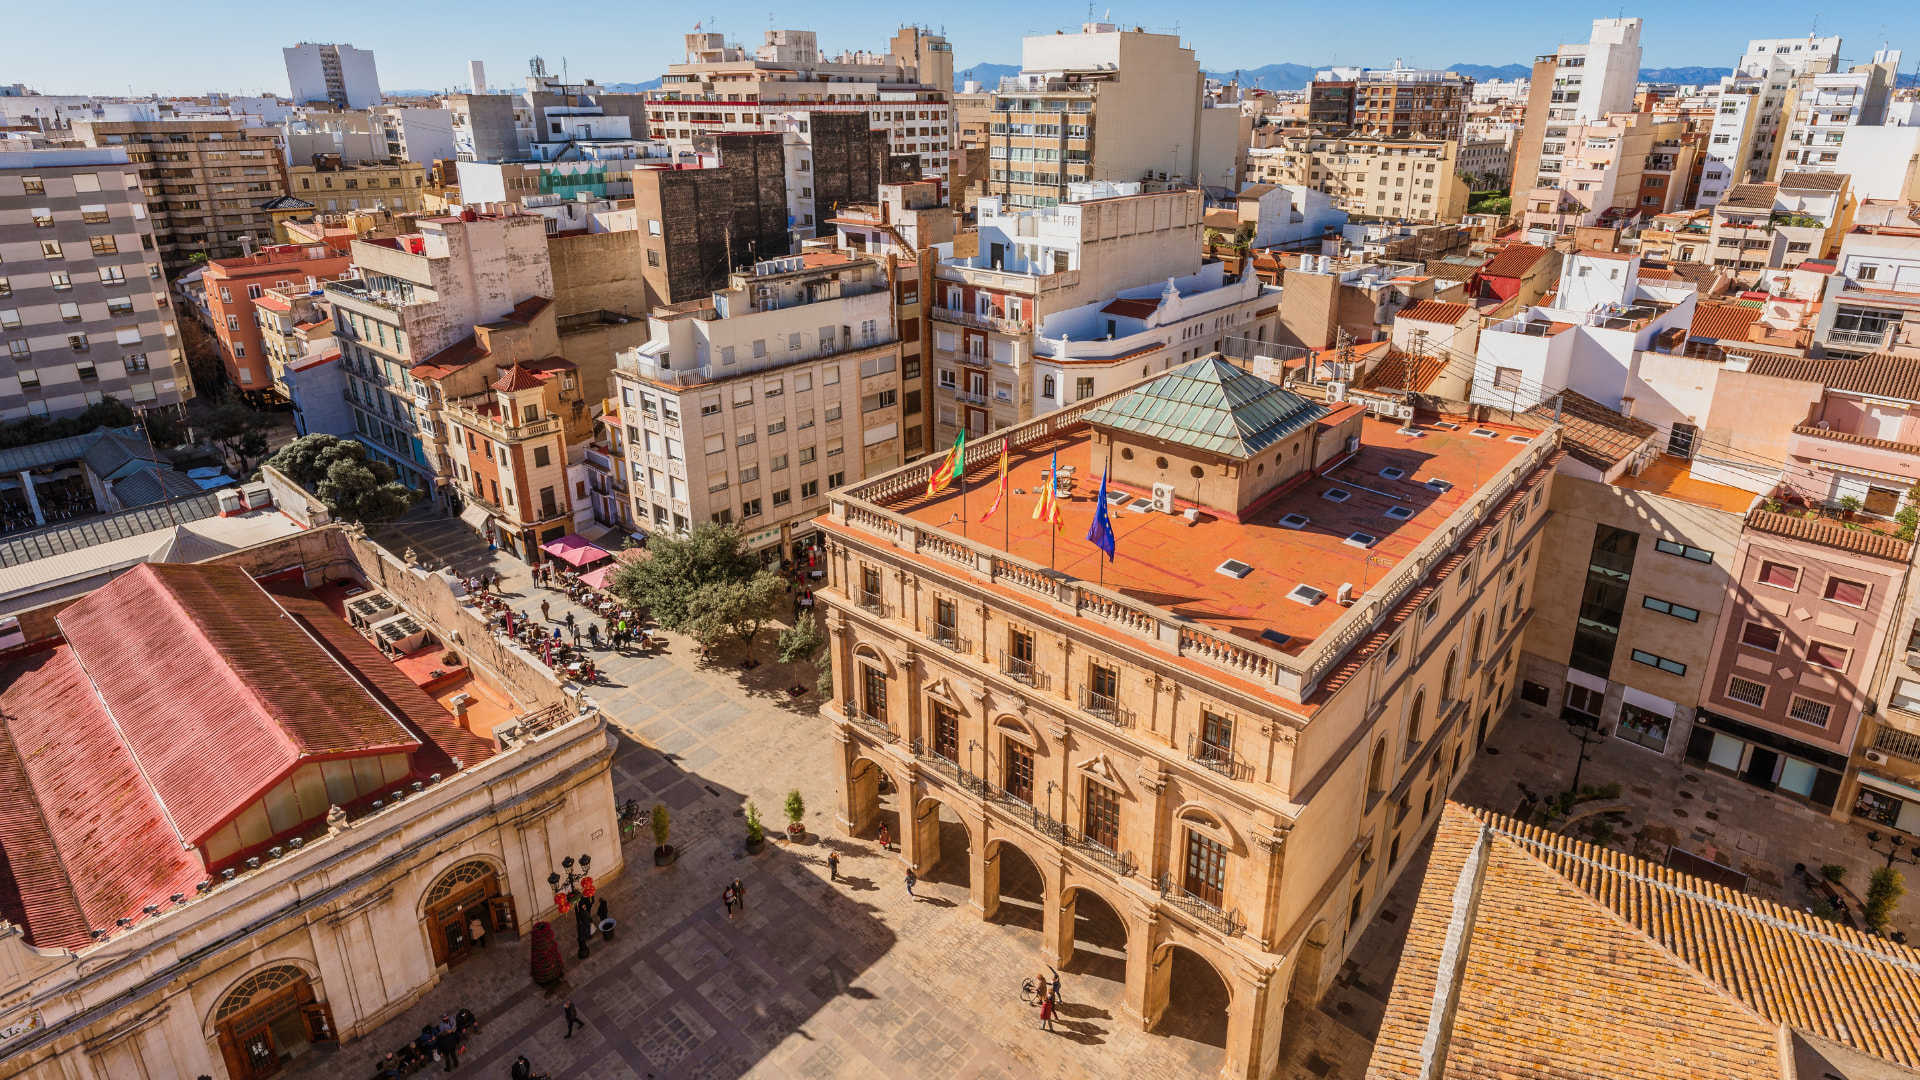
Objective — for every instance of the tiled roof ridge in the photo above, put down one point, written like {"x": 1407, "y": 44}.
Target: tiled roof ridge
{"x": 1858, "y": 440}
{"x": 1859, "y": 541}
{"x": 1536, "y": 838}
{"x": 12, "y": 762}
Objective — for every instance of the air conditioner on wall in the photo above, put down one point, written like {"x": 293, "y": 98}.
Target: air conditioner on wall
{"x": 1876, "y": 757}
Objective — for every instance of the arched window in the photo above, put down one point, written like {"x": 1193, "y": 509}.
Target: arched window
{"x": 258, "y": 986}
{"x": 1479, "y": 629}
{"x": 458, "y": 878}
{"x": 1377, "y": 769}
{"x": 1046, "y": 386}
{"x": 1415, "y": 717}
{"x": 1446, "y": 676}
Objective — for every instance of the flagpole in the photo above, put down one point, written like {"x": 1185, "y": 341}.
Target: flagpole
{"x": 960, "y": 469}
{"x": 1006, "y": 523}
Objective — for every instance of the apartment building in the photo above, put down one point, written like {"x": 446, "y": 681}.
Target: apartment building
{"x": 1822, "y": 109}
{"x": 508, "y": 448}
{"x": 1871, "y": 300}
{"x": 1608, "y": 172}
{"x": 1108, "y": 104}
{"x": 1397, "y": 102}
{"x": 544, "y": 121}
{"x": 337, "y": 75}
{"x": 700, "y": 225}
{"x": 596, "y": 171}
{"x": 748, "y": 407}
{"x": 1235, "y": 784}
{"x": 834, "y": 160}
{"x": 1030, "y": 265}
{"x": 1486, "y": 154}
{"x": 396, "y": 186}
{"x": 1757, "y": 227}
{"x": 428, "y": 317}
{"x": 84, "y": 311}
{"x": 235, "y": 286}
{"x": 1579, "y": 83}
{"x": 205, "y": 181}
{"x": 1370, "y": 178}
{"x": 1767, "y": 73}
{"x": 293, "y": 324}
{"x": 724, "y": 89}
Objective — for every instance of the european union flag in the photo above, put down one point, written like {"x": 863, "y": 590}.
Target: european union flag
{"x": 1100, "y": 533}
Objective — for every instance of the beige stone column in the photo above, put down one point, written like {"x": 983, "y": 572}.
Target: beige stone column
{"x": 983, "y": 874}
{"x": 859, "y": 787}
{"x": 1246, "y": 1026}
{"x": 1058, "y": 931}
{"x": 1146, "y": 989}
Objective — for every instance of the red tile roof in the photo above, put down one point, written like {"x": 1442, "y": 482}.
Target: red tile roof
{"x": 1133, "y": 308}
{"x": 517, "y": 378}
{"x": 188, "y": 657}
{"x": 1831, "y": 534}
{"x": 1881, "y": 374}
{"x": 1400, "y": 371}
{"x": 1514, "y": 260}
{"x": 1723, "y": 321}
{"x": 1435, "y": 311}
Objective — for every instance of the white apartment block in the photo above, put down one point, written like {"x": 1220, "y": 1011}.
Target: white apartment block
{"x": 337, "y": 75}
{"x": 724, "y": 89}
{"x": 84, "y": 313}
{"x": 1821, "y": 110}
{"x": 749, "y": 408}
{"x": 1769, "y": 68}
{"x": 1584, "y": 82}
{"x": 1736, "y": 116}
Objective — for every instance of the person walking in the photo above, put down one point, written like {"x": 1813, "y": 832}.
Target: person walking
{"x": 726, "y": 900}
{"x": 1046, "y": 1013}
{"x": 573, "y": 1019}
{"x": 522, "y": 1068}
{"x": 546, "y": 611}
{"x": 911, "y": 879}
{"x": 833, "y": 866}
{"x": 886, "y": 839}
{"x": 739, "y": 895}
{"x": 477, "y": 931}
{"x": 1053, "y": 988}
{"x": 448, "y": 1043}
{"x": 570, "y": 626}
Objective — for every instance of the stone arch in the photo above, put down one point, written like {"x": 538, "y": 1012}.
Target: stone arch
{"x": 1191, "y": 992}
{"x": 867, "y": 651}
{"x": 1416, "y": 714}
{"x": 271, "y": 1014}
{"x": 1017, "y": 887}
{"x": 1195, "y": 814}
{"x": 943, "y": 846}
{"x": 1096, "y": 939}
{"x": 458, "y": 870}
{"x": 1309, "y": 958}
{"x": 1377, "y": 769}
{"x": 258, "y": 982}
{"x": 865, "y": 809}
{"x": 1019, "y": 727}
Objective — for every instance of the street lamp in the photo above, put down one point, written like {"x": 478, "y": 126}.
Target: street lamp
{"x": 573, "y": 890}
{"x": 1893, "y": 848}
{"x": 1588, "y": 732}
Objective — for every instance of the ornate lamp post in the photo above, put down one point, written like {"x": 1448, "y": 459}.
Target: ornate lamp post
{"x": 573, "y": 890}
{"x": 1895, "y": 844}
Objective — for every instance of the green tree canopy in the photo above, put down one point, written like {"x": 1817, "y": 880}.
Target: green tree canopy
{"x": 678, "y": 567}
{"x": 736, "y": 607}
{"x": 354, "y": 487}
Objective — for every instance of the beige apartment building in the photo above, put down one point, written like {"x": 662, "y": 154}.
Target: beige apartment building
{"x": 1108, "y": 104}
{"x": 1392, "y": 179}
{"x": 396, "y": 186}
{"x": 205, "y": 181}
{"x": 748, "y": 407}
{"x": 1222, "y": 795}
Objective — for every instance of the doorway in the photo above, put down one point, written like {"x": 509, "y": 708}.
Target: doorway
{"x": 467, "y": 895}
{"x": 1761, "y": 764}
{"x": 269, "y": 1020}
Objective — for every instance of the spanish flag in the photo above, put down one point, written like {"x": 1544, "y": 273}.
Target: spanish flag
{"x": 952, "y": 467}
{"x": 1047, "y": 507}
{"x": 1000, "y": 495}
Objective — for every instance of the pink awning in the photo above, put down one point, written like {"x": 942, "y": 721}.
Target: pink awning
{"x": 574, "y": 550}
{"x": 597, "y": 578}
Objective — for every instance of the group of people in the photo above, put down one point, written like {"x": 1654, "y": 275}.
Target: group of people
{"x": 1049, "y": 994}
{"x": 734, "y": 897}
{"x": 443, "y": 1042}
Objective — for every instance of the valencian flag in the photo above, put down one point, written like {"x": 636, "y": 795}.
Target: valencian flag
{"x": 1100, "y": 534}
{"x": 945, "y": 472}
{"x": 1047, "y": 507}
{"x": 1001, "y": 494}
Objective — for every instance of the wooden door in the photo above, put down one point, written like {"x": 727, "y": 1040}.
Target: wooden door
{"x": 261, "y": 1059}
{"x": 505, "y": 921}
{"x": 319, "y": 1020}
{"x": 453, "y": 936}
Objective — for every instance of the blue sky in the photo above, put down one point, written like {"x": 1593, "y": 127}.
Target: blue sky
{"x": 184, "y": 48}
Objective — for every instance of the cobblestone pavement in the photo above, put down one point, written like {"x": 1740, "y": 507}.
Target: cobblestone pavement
{"x": 814, "y": 978}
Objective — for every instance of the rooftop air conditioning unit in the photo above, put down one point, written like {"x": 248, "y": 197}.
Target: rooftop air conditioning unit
{"x": 1163, "y": 498}
{"x": 1344, "y": 595}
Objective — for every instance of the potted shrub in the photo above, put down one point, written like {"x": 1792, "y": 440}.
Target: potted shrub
{"x": 796, "y": 809}
{"x": 756, "y": 834}
{"x": 548, "y": 967}
{"x": 662, "y": 851}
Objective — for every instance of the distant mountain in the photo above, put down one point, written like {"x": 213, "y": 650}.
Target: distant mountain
{"x": 987, "y": 75}
{"x": 611, "y": 88}
{"x": 1272, "y": 76}
{"x": 1485, "y": 73}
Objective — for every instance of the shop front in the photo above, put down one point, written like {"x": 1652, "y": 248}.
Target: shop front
{"x": 1881, "y": 801}
{"x": 1766, "y": 759}
{"x": 468, "y": 894}
{"x": 269, "y": 1020}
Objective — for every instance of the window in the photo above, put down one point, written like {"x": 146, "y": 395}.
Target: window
{"x": 1585, "y": 700}
{"x": 1082, "y": 389}
{"x": 1533, "y": 693}
{"x": 1826, "y": 655}
{"x": 1746, "y": 691}
{"x": 809, "y": 489}
{"x": 1670, "y": 547}
{"x": 1760, "y": 636}
{"x": 1779, "y": 575}
{"x": 60, "y": 280}
{"x": 873, "y": 692}
{"x": 782, "y": 497}
{"x": 1102, "y": 825}
{"x": 1642, "y": 727}
{"x": 806, "y": 455}
{"x": 104, "y": 245}
{"x": 1672, "y": 667}
{"x": 1216, "y": 737}
{"x": 51, "y": 249}
{"x": 1206, "y": 875}
{"x": 34, "y": 185}
{"x": 1018, "y": 780}
{"x": 1850, "y": 593}
{"x": 1809, "y": 711}
{"x": 946, "y": 733}
{"x": 778, "y": 463}
{"x": 750, "y": 509}
{"x": 1668, "y": 607}
{"x": 749, "y": 473}
{"x": 112, "y": 275}
{"x": 1506, "y": 378}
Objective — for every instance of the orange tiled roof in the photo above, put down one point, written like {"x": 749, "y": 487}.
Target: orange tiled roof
{"x": 1881, "y": 374}
{"x": 516, "y": 378}
{"x": 1402, "y": 371}
{"x": 1831, "y": 534}
{"x": 1560, "y": 958}
{"x": 1723, "y": 321}
{"x": 1513, "y": 260}
{"x": 1435, "y": 311}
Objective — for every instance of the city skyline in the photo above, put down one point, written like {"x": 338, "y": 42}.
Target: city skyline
{"x": 140, "y": 60}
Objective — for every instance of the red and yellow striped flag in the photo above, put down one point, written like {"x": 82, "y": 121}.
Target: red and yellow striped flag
{"x": 1047, "y": 507}
{"x": 950, "y": 468}
{"x": 1000, "y": 495}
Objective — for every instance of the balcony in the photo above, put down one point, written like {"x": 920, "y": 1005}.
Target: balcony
{"x": 1023, "y": 670}
{"x": 993, "y": 323}
{"x": 945, "y": 636}
{"x": 1868, "y": 340}
{"x": 1218, "y": 759}
{"x": 1119, "y": 863}
{"x": 482, "y": 413}
{"x": 1203, "y": 911}
{"x": 1847, "y": 451}
{"x": 1101, "y": 707}
{"x": 1900, "y": 744}
{"x": 856, "y": 715}
{"x": 872, "y": 603}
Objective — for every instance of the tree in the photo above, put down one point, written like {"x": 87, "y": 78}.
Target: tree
{"x": 235, "y": 427}
{"x": 338, "y": 470}
{"x": 802, "y": 640}
{"x": 721, "y": 608}
{"x": 796, "y": 808}
{"x": 1884, "y": 891}
{"x": 678, "y": 567}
